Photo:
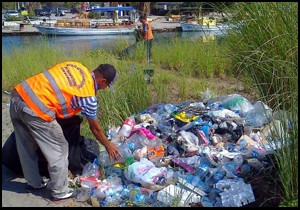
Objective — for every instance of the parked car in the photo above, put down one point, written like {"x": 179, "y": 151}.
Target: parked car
{"x": 60, "y": 11}
{"x": 46, "y": 12}
{"x": 11, "y": 13}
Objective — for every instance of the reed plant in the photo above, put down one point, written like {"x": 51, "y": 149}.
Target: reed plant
{"x": 172, "y": 81}
{"x": 24, "y": 62}
{"x": 265, "y": 51}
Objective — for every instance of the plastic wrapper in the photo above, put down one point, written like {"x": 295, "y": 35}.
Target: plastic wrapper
{"x": 144, "y": 172}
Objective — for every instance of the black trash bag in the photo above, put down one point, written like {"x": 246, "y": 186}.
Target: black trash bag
{"x": 89, "y": 150}
{"x": 71, "y": 130}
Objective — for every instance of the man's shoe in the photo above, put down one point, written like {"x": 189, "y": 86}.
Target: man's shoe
{"x": 70, "y": 194}
{"x": 30, "y": 189}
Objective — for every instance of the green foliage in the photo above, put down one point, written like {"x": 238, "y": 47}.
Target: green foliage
{"x": 26, "y": 62}
{"x": 94, "y": 15}
{"x": 8, "y": 5}
{"x": 265, "y": 50}
{"x": 291, "y": 203}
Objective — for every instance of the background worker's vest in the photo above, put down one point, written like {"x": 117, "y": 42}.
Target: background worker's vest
{"x": 49, "y": 94}
{"x": 148, "y": 35}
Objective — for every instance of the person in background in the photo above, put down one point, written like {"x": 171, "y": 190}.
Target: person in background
{"x": 60, "y": 92}
{"x": 147, "y": 36}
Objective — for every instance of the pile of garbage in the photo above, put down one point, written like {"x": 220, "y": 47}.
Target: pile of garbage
{"x": 184, "y": 154}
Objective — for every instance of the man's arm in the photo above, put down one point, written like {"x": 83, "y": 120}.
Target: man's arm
{"x": 97, "y": 130}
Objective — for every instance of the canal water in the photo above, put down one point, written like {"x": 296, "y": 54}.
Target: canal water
{"x": 82, "y": 44}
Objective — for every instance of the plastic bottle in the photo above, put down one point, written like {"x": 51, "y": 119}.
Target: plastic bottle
{"x": 134, "y": 141}
{"x": 112, "y": 200}
{"x": 89, "y": 182}
{"x": 245, "y": 170}
{"x": 113, "y": 190}
{"x": 253, "y": 152}
{"x": 172, "y": 150}
{"x": 113, "y": 171}
{"x": 202, "y": 137}
{"x": 192, "y": 124}
{"x": 127, "y": 127}
{"x": 170, "y": 108}
{"x": 238, "y": 160}
{"x": 206, "y": 202}
{"x": 104, "y": 157}
{"x": 91, "y": 169}
{"x": 219, "y": 175}
{"x": 139, "y": 199}
{"x": 230, "y": 169}
{"x": 202, "y": 170}
{"x": 125, "y": 193}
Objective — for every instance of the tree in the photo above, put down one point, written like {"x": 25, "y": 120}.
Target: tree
{"x": 32, "y": 6}
{"x": 8, "y": 5}
{"x": 144, "y": 8}
{"x": 113, "y": 4}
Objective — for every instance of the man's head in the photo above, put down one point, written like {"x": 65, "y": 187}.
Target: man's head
{"x": 106, "y": 75}
{"x": 143, "y": 19}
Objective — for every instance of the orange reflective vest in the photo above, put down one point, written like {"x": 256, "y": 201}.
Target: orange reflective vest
{"x": 147, "y": 34}
{"x": 49, "y": 94}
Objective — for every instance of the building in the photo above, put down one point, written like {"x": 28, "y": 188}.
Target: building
{"x": 168, "y": 5}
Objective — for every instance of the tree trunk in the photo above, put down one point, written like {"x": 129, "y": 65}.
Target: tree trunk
{"x": 113, "y": 4}
{"x": 144, "y": 9}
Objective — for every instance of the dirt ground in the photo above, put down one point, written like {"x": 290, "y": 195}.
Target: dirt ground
{"x": 265, "y": 185}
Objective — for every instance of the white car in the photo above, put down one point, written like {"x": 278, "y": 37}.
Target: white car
{"x": 11, "y": 13}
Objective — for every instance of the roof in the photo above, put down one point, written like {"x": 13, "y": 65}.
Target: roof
{"x": 108, "y": 9}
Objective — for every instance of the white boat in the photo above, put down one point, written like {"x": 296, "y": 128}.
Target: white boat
{"x": 198, "y": 27}
{"x": 80, "y": 27}
{"x": 204, "y": 24}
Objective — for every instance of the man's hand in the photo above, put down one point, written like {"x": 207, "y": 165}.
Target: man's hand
{"x": 112, "y": 149}
{"x": 113, "y": 152}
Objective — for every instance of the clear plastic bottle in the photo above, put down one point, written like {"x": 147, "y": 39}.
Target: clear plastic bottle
{"x": 113, "y": 190}
{"x": 206, "y": 202}
{"x": 127, "y": 127}
{"x": 104, "y": 157}
{"x": 91, "y": 169}
{"x": 170, "y": 108}
{"x": 219, "y": 174}
{"x": 125, "y": 193}
{"x": 202, "y": 171}
{"x": 111, "y": 170}
{"x": 230, "y": 169}
{"x": 238, "y": 160}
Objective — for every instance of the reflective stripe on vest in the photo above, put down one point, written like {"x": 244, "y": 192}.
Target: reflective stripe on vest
{"x": 49, "y": 94}
{"x": 58, "y": 93}
{"x": 36, "y": 100}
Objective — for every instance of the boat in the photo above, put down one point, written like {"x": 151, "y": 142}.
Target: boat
{"x": 202, "y": 25}
{"x": 84, "y": 27}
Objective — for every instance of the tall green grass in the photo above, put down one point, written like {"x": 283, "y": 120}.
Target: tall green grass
{"x": 188, "y": 57}
{"x": 265, "y": 50}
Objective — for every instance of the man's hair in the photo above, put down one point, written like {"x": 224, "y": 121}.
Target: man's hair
{"x": 108, "y": 72}
{"x": 143, "y": 18}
